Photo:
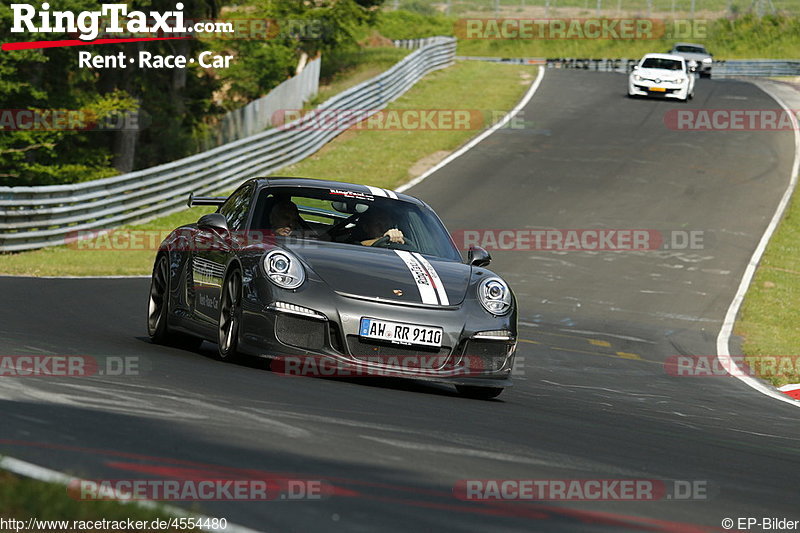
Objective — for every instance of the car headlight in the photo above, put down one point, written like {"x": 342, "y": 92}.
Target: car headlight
{"x": 284, "y": 270}
{"x": 636, "y": 77}
{"x": 707, "y": 60}
{"x": 495, "y": 296}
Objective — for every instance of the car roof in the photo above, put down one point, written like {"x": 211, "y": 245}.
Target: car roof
{"x": 663, "y": 56}
{"x": 310, "y": 183}
{"x": 689, "y": 44}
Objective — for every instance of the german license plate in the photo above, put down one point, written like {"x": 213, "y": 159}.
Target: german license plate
{"x": 400, "y": 332}
{"x": 658, "y": 89}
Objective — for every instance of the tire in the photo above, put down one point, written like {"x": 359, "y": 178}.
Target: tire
{"x": 158, "y": 302}
{"x": 479, "y": 393}
{"x": 158, "y": 310}
{"x": 230, "y": 316}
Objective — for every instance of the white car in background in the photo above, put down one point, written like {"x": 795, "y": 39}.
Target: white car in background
{"x": 664, "y": 75}
{"x": 696, "y": 55}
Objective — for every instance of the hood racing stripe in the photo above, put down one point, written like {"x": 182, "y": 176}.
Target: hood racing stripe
{"x": 376, "y": 191}
{"x": 437, "y": 282}
{"x": 426, "y": 291}
{"x": 384, "y": 193}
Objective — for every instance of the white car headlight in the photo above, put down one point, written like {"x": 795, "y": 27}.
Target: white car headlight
{"x": 284, "y": 270}
{"x": 636, "y": 77}
{"x": 707, "y": 60}
{"x": 495, "y": 296}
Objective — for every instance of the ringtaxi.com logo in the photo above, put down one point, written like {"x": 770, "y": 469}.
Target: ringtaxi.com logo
{"x": 68, "y": 366}
{"x": 579, "y": 489}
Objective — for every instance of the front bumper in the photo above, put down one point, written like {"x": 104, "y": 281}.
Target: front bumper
{"x": 665, "y": 90}
{"x": 328, "y": 343}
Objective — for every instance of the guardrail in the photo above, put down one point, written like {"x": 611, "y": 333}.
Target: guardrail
{"x": 36, "y": 217}
{"x": 256, "y": 116}
{"x": 755, "y": 67}
{"x": 414, "y": 44}
{"x": 721, "y": 69}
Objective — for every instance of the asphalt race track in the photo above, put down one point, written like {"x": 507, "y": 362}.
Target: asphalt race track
{"x": 592, "y": 399}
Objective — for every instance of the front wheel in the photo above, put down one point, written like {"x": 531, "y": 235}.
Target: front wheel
{"x": 479, "y": 393}
{"x": 230, "y": 317}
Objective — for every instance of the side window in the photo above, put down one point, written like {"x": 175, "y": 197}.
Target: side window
{"x": 236, "y": 208}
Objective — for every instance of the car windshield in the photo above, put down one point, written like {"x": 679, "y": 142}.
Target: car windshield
{"x": 353, "y": 218}
{"x": 662, "y": 63}
{"x": 691, "y": 49}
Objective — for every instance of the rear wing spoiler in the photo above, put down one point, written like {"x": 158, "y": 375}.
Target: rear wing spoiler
{"x": 205, "y": 200}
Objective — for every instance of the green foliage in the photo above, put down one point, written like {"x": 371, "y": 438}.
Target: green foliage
{"x": 403, "y": 24}
{"x": 418, "y": 6}
{"x": 174, "y": 105}
{"x": 24, "y": 498}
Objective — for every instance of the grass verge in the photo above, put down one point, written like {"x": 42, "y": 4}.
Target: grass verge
{"x": 384, "y": 158}
{"x": 344, "y": 69}
{"x": 770, "y": 313}
{"x": 23, "y": 499}
{"x": 743, "y": 37}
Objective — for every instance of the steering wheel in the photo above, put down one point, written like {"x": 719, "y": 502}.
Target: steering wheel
{"x": 340, "y": 226}
{"x": 385, "y": 242}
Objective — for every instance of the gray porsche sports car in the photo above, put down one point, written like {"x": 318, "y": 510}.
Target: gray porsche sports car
{"x": 330, "y": 278}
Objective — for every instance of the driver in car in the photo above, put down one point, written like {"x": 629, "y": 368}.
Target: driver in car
{"x": 378, "y": 222}
{"x": 284, "y": 218}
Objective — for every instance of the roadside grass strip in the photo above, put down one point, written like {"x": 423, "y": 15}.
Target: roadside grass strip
{"x": 47, "y": 506}
{"x": 771, "y": 311}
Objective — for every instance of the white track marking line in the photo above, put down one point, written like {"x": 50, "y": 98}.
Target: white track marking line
{"x": 724, "y": 337}
{"x": 40, "y": 473}
{"x": 461, "y": 151}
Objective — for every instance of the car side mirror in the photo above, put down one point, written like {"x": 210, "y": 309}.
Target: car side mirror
{"x": 478, "y": 257}
{"x": 213, "y": 221}
{"x": 636, "y": 67}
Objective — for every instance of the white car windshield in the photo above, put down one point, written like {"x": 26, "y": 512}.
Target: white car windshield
{"x": 347, "y": 217}
{"x": 662, "y": 63}
{"x": 691, "y": 49}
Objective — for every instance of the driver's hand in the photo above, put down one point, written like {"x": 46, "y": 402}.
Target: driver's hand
{"x": 395, "y": 235}
{"x": 284, "y": 231}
